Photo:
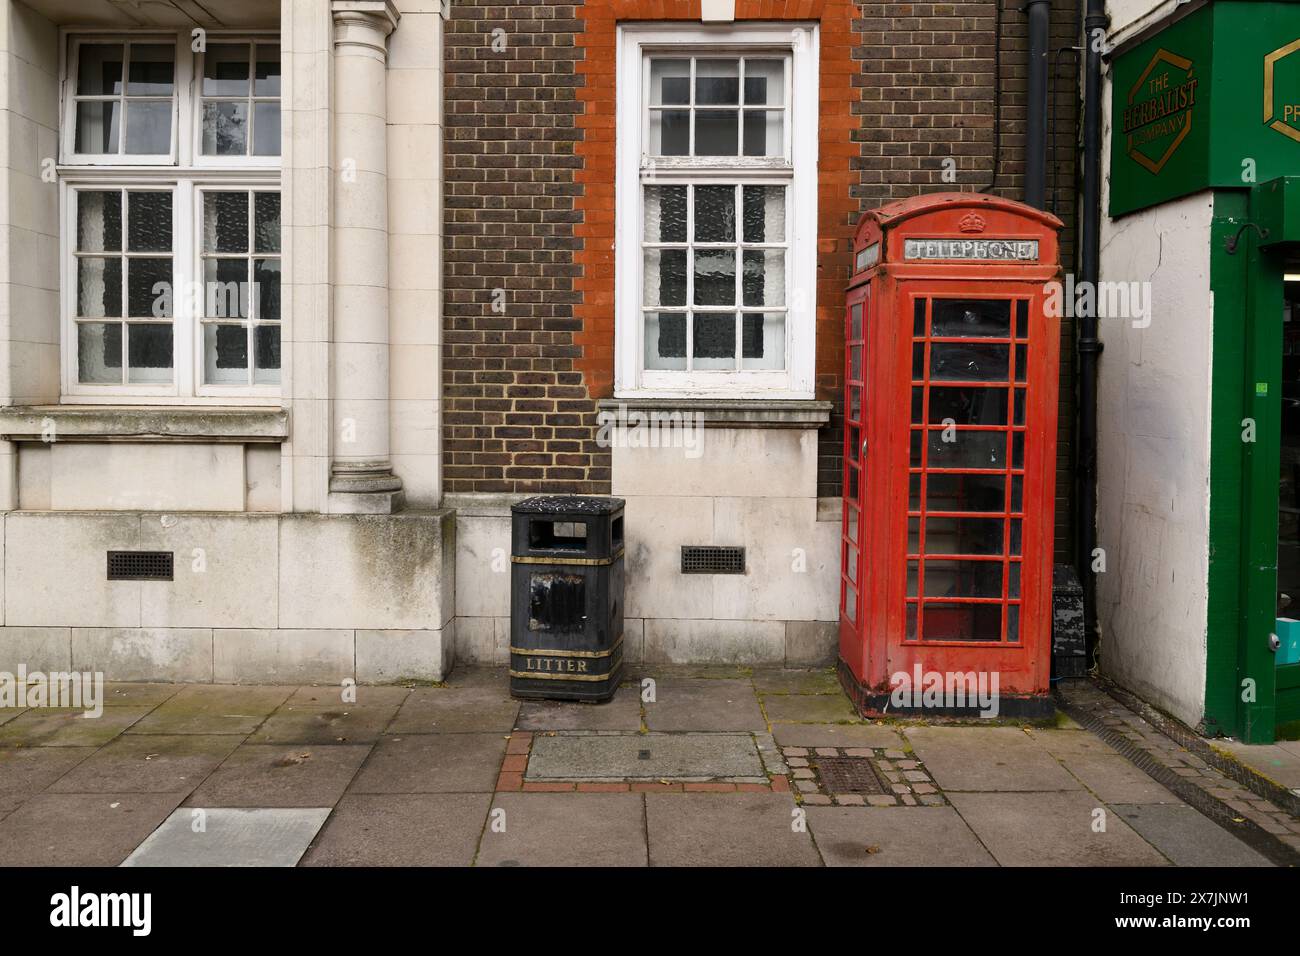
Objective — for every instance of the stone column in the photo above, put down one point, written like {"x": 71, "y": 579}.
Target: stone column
{"x": 361, "y": 473}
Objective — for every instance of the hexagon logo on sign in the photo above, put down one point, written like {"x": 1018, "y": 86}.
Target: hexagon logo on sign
{"x": 1282, "y": 90}
{"x": 1158, "y": 116}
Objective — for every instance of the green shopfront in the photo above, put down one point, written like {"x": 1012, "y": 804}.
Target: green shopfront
{"x": 1198, "y": 584}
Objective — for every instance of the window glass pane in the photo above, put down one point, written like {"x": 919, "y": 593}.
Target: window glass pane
{"x": 99, "y": 353}
{"x": 968, "y": 406}
{"x": 266, "y": 276}
{"x": 963, "y": 535}
{"x": 664, "y": 282}
{"x": 962, "y": 622}
{"x": 764, "y": 82}
{"x": 764, "y": 213}
{"x": 763, "y": 281}
{"x": 715, "y": 214}
{"x": 99, "y": 287}
{"x": 152, "y": 69}
{"x": 266, "y": 365}
{"x": 715, "y": 277}
{"x": 714, "y": 346}
{"x": 97, "y": 127}
{"x": 967, "y": 449}
{"x": 148, "y": 127}
{"x": 149, "y": 225}
{"x": 225, "y": 129}
{"x": 971, "y": 579}
{"x": 665, "y": 214}
{"x": 225, "y": 70}
{"x": 225, "y": 222}
{"x": 970, "y": 493}
{"x": 225, "y": 354}
{"x": 148, "y": 288}
{"x": 665, "y": 340}
{"x": 959, "y": 361}
{"x": 716, "y": 133}
{"x": 266, "y": 228}
{"x": 763, "y": 341}
{"x": 717, "y": 82}
{"x": 971, "y": 318}
{"x": 670, "y": 82}
{"x": 266, "y": 129}
{"x": 225, "y": 288}
{"x": 99, "y": 221}
{"x": 99, "y": 69}
{"x": 149, "y": 348}
{"x": 267, "y": 79}
{"x": 670, "y": 132}
{"x": 764, "y": 135}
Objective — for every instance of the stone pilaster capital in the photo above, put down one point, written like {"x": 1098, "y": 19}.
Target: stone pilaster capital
{"x": 365, "y": 24}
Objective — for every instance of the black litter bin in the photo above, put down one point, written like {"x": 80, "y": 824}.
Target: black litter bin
{"x": 566, "y": 598}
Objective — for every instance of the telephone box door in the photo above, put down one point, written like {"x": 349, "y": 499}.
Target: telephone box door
{"x": 854, "y": 521}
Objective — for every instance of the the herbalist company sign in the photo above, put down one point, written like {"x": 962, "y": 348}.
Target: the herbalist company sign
{"x": 1187, "y": 102}
{"x": 1161, "y": 110}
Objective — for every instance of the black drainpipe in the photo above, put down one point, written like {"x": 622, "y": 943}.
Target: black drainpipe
{"x": 1040, "y": 16}
{"x": 1088, "y": 345}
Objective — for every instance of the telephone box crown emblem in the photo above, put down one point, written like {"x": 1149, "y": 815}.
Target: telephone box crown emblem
{"x": 971, "y": 222}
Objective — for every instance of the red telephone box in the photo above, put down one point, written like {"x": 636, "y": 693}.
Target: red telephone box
{"x": 951, "y": 385}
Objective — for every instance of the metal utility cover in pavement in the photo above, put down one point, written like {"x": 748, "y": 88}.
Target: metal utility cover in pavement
{"x": 849, "y": 775}
{"x": 231, "y": 837}
{"x": 644, "y": 757}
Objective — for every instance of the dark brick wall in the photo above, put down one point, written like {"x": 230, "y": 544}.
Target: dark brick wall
{"x": 519, "y": 413}
{"x": 517, "y": 416}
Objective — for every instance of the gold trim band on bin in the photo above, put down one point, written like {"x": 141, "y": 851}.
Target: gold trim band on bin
{"x": 528, "y": 675}
{"x": 542, "y": 652}
{"x": 526, "y": 559}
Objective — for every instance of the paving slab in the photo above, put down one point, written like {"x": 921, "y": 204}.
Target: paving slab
{"x": 266, "y": 775}
{"x": 454, "y": 710}
{"x": 1052, "y": 829}
{"x": 315, "y": 715}
{"x": 9, "y": 713}
{"x": 837, "y": 735}
{"x": 704, "y": 705}
{"x": 809, "y": 709}
{"x": 117, "y": 693}
{"x": 213, "y": 709}
{"x": 433, "y": 763}
{"x": 1114, "y": 780}
{"x": 67, "y": 727}
{"x": 79, "y": 829}
{"x": 622, "y": 712}
{"x": 401, "y": 829}
{"x": 987, "y": 758}
{"x": 1276, "y": 762}
{"x": 1061, "y": 742}
{"x": 479, "y": 675}
{"x": 222, "y": 836}
{"x": 726, "y": 829}
{"x": 145, "y": 763}
{"x": 564, "y": 829}
{"x": 895, "y": 836}
{"x": 25, "y": 771}
{"x": 1187, "y": 837}
{"x": 782, "y": 681}
{"x": 644, "y": 757}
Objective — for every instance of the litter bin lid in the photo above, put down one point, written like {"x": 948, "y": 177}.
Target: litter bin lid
{"x": 568, "y": 504}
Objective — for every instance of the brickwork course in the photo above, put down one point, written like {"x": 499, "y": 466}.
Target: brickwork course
{"x": 530, "y": 202}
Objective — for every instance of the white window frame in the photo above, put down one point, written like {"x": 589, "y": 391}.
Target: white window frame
{"x": 186, "y": 174}
{"x": 798, "y": 169}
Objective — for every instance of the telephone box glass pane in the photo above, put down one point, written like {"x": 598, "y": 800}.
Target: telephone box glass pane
{"x": 971, "y": 318}
{"x": 964, "y": 449}
{"x": 963, "y": 536}
{"x": 962, "y": 622}
{"x": 965, "y": 493}
{"x": 968, "y": 406}
{"x": 964, "y": 579}
{"x": 968, "y": 362}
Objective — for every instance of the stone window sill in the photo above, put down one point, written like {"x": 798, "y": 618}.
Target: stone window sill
{"x": 723, "y": 413}
{"x": 143, "y": 423}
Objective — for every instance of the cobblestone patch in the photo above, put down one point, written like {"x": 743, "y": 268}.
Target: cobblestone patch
{"x": 1168, "y": 752}
{"x": 861, "y": 777}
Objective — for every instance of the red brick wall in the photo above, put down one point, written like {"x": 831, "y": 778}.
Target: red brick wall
{"x": 530, "y": 199}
